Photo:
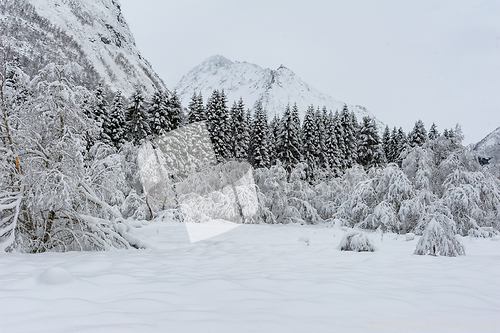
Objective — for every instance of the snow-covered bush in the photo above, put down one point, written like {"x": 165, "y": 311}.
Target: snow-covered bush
{"x": 356, "y": 241}
{"x": 439, "y": 238}
{"x": 52, "y": 197}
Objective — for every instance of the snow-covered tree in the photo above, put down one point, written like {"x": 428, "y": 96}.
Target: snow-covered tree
{"x": 159, "y": 114}
{"x": 433, "y": 132}
{"x": 331, "y": 146}
{"x": 137, "y": 119}
{"x": 349, "y": 147}
{"x": 260, "y": 138}
{"x": 274, "y": 134}
{"x": 289, "y": 150}
{"x": 239, "y": 131}
{"x": 439, "y": 238}
{"x": 310, "y": 142}
{"x": 386, "y": 144}
{"x": 418, "y": 136}
{"x": 196, "y": 109}
{"x": 117, "y": 123}
{"x": 370, "y": 151}
{"x": 174, "y": 111}
{"x": 218, "y": 122}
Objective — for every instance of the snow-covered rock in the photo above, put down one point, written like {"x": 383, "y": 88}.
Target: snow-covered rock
{"x": 91, "y": 33}
{"x": 488, "y": 150}
{"x": 410, "y": 236}
{"x": 356, "y": 241}
{"x": 275, "y": 88}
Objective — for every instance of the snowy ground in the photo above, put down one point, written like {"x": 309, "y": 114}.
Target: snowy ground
{"x": 255, "y": 278}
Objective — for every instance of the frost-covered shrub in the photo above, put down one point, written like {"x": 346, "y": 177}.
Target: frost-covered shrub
{"x": 439, "y": 239}
{"x": 483, "y": 232}
{"x": 356, "y": 241}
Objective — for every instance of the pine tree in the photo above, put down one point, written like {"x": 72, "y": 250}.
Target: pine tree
{"x": 369, "y": 146}
{"x": 239, "y": 130}
{"x": 174, "y": 111}
{"x": 218, "y": 124}
{"x": 100, "y": 108}
{"x": 274, "y": 130}
{"x": 331, "y": 146}
{"x": 392, "y": 154}
{"x": 249, "y": 120}
{"x": 321, "y": 120}
{"x": 158, "y": 114}
{"x": 386, "y": 143}
{"x": 402, "y": 144}
{"x": 418, "y": 136}
{"x": 289, "y": 152}
{"x": 100, "y": 113}
{"x": 338, "y": 131}
{"x": 310, "y": 142}
{"x": 433, "y": 132}
{"x": 349, "y": 149}
{"x": 196, "y": 109}
{"x": 116, "y": 130}
{"x": 137, "y": 119}
{"x": 260, "y": 139}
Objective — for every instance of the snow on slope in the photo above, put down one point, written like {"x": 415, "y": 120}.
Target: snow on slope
{"x": 100, "y": 32}
{"x": 488, "y": 149}
{"x": 255, "y": 278}
{"x": 275, "y": 88}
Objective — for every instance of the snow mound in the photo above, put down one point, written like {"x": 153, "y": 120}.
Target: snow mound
{"x": 304, "y": 239}
{"x": 356, "y": 241}
{"x": 410, "y": 236}
{"x": 56, "y": 276}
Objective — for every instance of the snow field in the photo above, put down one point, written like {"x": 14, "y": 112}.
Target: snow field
{"x": 255, "y": 278}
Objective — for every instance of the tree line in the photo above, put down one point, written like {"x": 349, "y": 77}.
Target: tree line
{"x": 328, "y": 142}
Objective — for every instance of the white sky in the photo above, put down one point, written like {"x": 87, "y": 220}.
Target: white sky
{"x": 434, "y": 60}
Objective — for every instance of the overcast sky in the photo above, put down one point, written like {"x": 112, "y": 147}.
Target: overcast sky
{"x": 434, "y": 60}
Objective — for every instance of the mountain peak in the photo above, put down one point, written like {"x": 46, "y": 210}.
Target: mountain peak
{"x": 274, "y": 88}
{"x": 218, "y": 61}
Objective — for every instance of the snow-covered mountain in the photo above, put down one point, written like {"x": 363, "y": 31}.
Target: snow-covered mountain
{"x": 275, "y": 88}
{"x": 488, "y": 149}
{"x": 92, "y": 33}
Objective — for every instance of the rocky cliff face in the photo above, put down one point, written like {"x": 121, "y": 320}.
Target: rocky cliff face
{"x": 91, "y": 33}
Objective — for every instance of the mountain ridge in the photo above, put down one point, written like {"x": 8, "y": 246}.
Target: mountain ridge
{"x": 274, "y": 88}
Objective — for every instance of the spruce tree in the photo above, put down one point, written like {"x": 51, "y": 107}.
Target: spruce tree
{"x": 137, "y": 119}
{"x": 174, "y": 111}
{"x": 117, "y": 128}
{"x": 310, "y": 142}
{"x": 348, "y": 124}
{"x": 369, "y": 146}
{"x": 331, "y": 146}
{"x": 274, "y": 133}
{"x": 402, "y": 144}
{"x": 100, "y": 113}
{"x": 196, "y": 109}
{"x": 386, "y": 143}
{"x": 321, "y": 121}
{"x": 393, "y": 147}
{"x": 158, "y": 114}
{"x": 418, "y": 136}
{"x": 218, "y": 125}
{"x": 260, "y": 138}
{"x": 289, "y": 152}
{"x": 239, "y": 130}
{"x": 433, "y": 132}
